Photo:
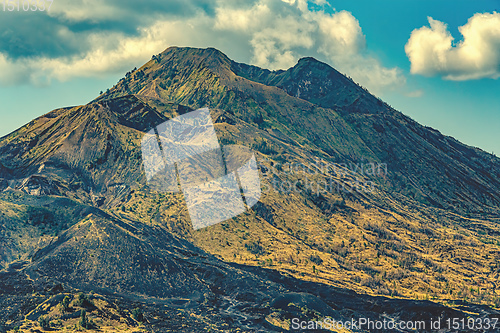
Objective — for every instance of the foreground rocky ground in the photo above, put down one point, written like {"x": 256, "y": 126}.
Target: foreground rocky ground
{"x": 267, "y": 307}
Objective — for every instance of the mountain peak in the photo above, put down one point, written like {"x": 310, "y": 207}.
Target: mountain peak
{"x": 309, "y": 60}
{"x": 191, "y": 50}
{"x": 209, "y": 53}
{"x": 312, "y": 80}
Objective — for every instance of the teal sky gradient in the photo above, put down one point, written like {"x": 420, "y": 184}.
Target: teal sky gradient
{"x": 467, "y": 110}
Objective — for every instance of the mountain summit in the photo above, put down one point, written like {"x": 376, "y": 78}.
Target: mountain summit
{"x": 360, "y": 204}
{"x": 349, "y": 124}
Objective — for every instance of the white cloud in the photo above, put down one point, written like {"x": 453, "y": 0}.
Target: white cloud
{"x": 85, "y": 10}
{"x": 241, "y": 19}
{"x": 342, "y": 33}
{"x": 431, "y": 50}
{"x": 111, "y": 53}
{"x": 415, "y": 93}
{"x": 13, "y": 72}
{"x": 369, "y": 72}
{"x": 343, "y": 43}
{"x": 97, "y": 62}
{"x": 275, "y": 46}
{"x": 281, "y": 33}
{"x": 269, "y": 33}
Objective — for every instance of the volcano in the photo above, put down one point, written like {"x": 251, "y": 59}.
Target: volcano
{"x": 363, "y": 213}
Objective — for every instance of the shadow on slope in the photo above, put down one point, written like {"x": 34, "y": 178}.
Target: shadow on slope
{"x": 140, "y": 264}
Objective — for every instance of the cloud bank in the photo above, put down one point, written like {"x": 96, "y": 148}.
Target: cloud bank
{"x": 87, "y": 38}
{"x": 432, "y": 51}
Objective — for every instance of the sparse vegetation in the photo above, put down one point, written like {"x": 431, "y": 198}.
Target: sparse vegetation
{"x": 266, "y": 147}
{"x": 65, "y": 303}
{"x": 83, "y": 300}
{"x": 255, "y": 247}
{"x": 44, "y": 322}
{"x": 39, "y": 215}
{"x": 85, "y": 322}
{"x": 137, "y": 314}
{"x": 315, "y": 259}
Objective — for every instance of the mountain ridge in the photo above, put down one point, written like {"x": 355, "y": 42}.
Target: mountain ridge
{"x": 362, "y": 110}
{"x": 76, "y": 209}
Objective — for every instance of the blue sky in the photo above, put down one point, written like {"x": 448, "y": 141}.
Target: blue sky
{"x": 436, "y": 61}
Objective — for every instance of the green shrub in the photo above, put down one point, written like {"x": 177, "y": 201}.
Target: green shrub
{"x": 84, "y": 301}
{"x": 315, "y": 259}
{"x": 138, "y": 315}
{"x": 65, "y": 303}
{"x": 84, "y": 320}
{"x": 44, "y": 322}
{"x": 255, "y": 248}
{"x": 39, "y": 215}
{"x": 266, "y": 147}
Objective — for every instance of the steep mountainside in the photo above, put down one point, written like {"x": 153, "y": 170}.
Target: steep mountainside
{"x": 355, "y": 195}
{"x": 429, "y": 166}
{"x": 355, "y": 126}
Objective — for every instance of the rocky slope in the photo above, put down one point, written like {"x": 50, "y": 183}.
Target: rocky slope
{"x": 374, "y": 203}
